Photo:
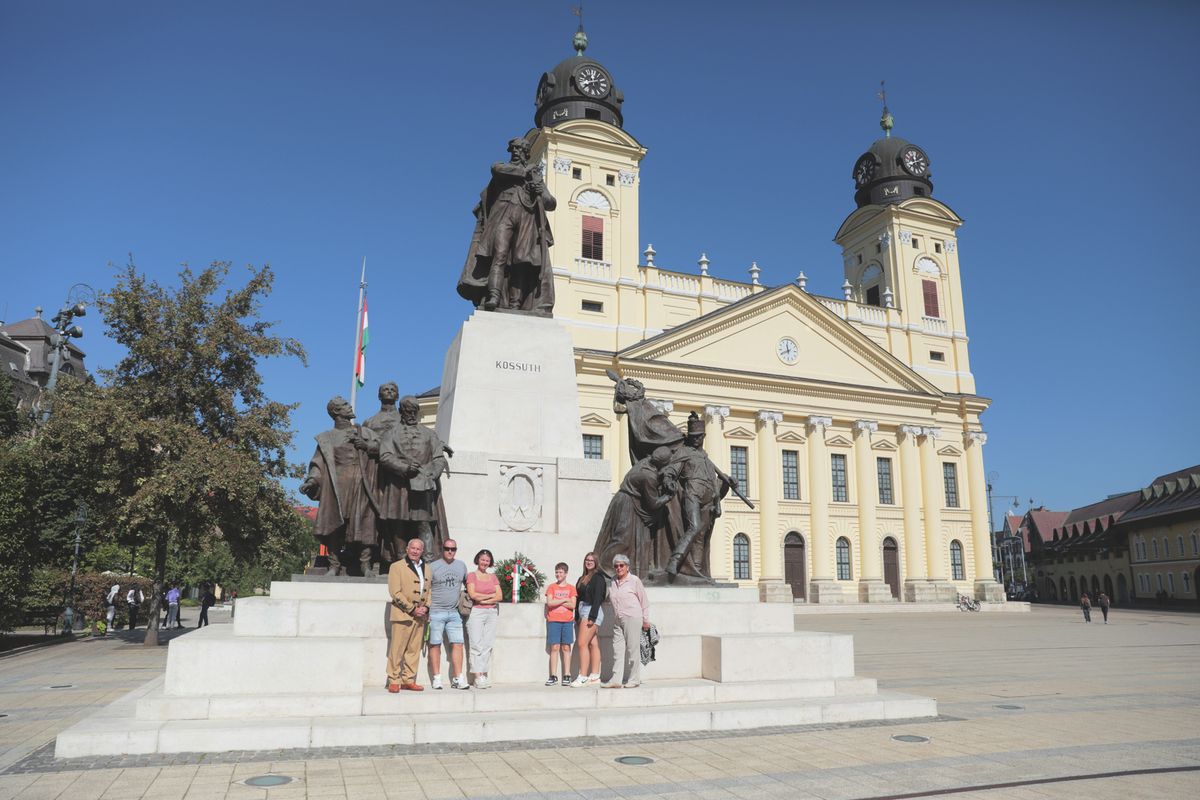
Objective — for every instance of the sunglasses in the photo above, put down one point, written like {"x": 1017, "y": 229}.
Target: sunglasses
{"x": 450, "y": 549}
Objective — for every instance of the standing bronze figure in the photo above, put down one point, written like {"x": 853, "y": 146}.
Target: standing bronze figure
{"x": 636, "y": 516}
{"x": 380, "y": 425}
{"x": 410, "y": 501}
{"x": 339, "y": 480}
{"x": 508, "y": 264}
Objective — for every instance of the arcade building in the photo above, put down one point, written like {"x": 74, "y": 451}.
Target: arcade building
{"x": 851, "y": 422}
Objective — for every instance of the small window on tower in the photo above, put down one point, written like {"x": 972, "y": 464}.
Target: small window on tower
{"x": 610, "y": 180}
{"x": 937, "y": 247}
{"x": 937, "y": 355}
{"x": 919, "y": 191}
{"x": 873, "y": 296}
{"x": 591, "y": 113}
{"x": 878, "y": 247}
{"x": 929, "y": 290}
{"x": 592, "y": 305}
{"x": 593, "y": 238}
{"x": 576, "y": 173}
{"x": 860, "y": 258}
{"x": 916, "y": 242}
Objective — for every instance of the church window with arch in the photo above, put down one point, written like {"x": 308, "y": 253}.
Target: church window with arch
{"x": 870, "y": 285}
{"x": 843, "y": 559}
{"x": 957, "y": 572}
{"x": 593, "y": 238}
{"x": 929, "y": 291}
{"x": 741, "y": 557}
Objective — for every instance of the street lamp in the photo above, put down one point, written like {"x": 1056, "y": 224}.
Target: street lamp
{"x": 69, "y": 613}
{"x": 64, "y": 330}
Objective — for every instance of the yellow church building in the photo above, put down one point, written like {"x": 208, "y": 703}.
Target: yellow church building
{"x": 851, "y": 422}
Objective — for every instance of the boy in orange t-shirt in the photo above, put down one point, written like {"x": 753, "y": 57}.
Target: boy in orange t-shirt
{"x": 560, "y": 623}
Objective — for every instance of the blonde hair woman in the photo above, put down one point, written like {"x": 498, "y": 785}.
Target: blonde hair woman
{"x": 591, "y": 589}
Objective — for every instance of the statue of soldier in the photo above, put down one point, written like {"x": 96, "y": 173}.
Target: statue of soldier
{"x": 380, "y": 425}
{"x": 636, "y": 516}
{"x": 410, "y": 502}
{"x": 339, "y": 480}
{"x": 700, "y": 487}
{"x": 508, "y": 264}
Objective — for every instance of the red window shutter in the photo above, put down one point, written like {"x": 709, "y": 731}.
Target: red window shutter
{"x": 593, "y": 238}
{"x": 931, "y": 298}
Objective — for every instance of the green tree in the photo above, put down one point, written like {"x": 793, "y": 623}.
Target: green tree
{"x": 181, "y": 447}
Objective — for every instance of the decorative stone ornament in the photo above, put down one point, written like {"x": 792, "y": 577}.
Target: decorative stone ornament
{"x": 521, "y": 493}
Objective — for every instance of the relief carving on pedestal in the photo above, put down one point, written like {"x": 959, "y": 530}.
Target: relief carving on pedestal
{"x": 521, "y": 494}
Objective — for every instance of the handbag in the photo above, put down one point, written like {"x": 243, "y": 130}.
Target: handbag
{"x": 465, "y": 603}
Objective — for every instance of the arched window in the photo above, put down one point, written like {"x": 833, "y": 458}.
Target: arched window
{"x": 1195, "y": 545}
{"x": 1187, "y": 582}
{"x": 956, "y": 561}
{"x": 1155, "y": 543}
{"x": 843, "y": 559}
{"x": 1166, "y": 547}
{"x": 741, "y": 557}
{"x": 870, "y": 288}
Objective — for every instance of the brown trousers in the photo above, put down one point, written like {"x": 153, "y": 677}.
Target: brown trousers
{"x": 404, "y": 651}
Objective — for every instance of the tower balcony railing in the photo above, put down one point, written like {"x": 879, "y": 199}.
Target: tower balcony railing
{"x": 591, "y": 268}
{"x": 935, "y": 325}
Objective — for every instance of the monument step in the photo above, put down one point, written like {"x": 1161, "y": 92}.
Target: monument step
{"x": 121, "y": 732}
{"x": 304, "y": 587}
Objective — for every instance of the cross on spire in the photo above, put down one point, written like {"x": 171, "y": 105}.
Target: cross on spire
{"x": 886, "y": 121}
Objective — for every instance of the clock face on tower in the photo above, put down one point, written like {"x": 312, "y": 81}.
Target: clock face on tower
{"x": 864, "y": 170}
{"x": 914, "y": 161}
{"x": 592, "y": 81}
{"x": 787, "y": 350}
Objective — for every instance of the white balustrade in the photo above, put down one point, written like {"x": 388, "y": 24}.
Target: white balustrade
{"x": 935, "y": 325}
{"x": 591, "y": 268}
{"x": 836, "y": 306}
{"x": 731, "y": 291}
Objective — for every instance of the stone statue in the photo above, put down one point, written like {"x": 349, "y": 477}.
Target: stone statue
{"x": 381, "y": 424}
{"x": 636, "y": 516}
{"x": 339, "y": 480}
{"x": 508, "y": 264}
{"x": 410, "y": 501}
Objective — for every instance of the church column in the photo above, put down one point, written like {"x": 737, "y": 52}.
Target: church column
{"x": 822, "y": 586}
{"x": 986, "y": 588}
{"x": 932, "y": 488}
{"x": 916, "y": 588}
{"x": 714, "y": 421}
{"x": 871, "y": 588}
{"x": 771, "y": 587}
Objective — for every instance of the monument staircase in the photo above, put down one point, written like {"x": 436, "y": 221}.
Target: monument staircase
{"x": 305, "y": 668}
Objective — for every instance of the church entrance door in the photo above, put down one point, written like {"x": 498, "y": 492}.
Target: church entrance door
{"x": 793, "y": 565}
{"x": 891, "y": 566}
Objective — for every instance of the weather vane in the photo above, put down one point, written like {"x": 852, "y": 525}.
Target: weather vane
{"x": 886, "y": 121}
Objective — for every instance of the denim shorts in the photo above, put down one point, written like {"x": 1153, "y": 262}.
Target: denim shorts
{"x": 449, "y": 621}
{"x": 560, "y": 633}
{"x": 585, "y": 610}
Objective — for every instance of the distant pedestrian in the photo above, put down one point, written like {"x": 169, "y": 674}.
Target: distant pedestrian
{"x": 110, "y": 602}
{"x": 173, "y": 606}
{"x": 134, "y": 598}
{"x": 207, "y": 601}
{"x": 1085, "y": 603}
{"x": 1104, "y": 603}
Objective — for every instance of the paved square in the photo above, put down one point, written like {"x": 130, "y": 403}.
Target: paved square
{"x": 1100, "y": 712}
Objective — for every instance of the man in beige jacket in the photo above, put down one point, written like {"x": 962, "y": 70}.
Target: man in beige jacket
{"x": 409, "y": 585}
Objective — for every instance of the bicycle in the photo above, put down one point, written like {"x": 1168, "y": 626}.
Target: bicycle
{"x": 967, "y": 603}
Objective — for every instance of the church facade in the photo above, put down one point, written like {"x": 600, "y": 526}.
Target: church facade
{"x": 852, "y": 423}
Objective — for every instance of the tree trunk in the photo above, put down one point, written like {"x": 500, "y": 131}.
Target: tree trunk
{"x": 160, "y": 580}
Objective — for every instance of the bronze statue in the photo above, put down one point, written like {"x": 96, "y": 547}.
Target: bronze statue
{"x": 339, "y": 480}
{"x": 381, "y": 424}
{"x": 636, "y": 516}
{"x": 679, "y": 531}
{"x": 508, "y": 264}
{"x": 410, "y": 500}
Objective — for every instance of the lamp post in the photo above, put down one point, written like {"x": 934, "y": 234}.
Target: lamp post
{"x": 64, "y": 331}
{"x": 69, "y": 613}
{"x": 997, "y": 541}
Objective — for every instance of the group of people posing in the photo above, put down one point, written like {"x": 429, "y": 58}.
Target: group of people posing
{"x": 435, "y": 596}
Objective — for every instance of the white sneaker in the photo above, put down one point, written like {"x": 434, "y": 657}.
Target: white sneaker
{"x": 437, "y": 681}
{"x": 482, "y": 682}
{"x": 594, "y": 677}
{"x": 459, "y": 683}
{"x": 580, "y": 681}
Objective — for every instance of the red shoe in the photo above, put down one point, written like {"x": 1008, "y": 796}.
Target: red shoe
{"x": 412, "y": 687}
{"x": 394, "y": 688}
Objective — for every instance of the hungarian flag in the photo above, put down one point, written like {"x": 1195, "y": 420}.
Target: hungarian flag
{"x": 364, "y": 338}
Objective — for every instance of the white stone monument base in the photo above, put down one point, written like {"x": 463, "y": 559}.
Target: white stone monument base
{"x": 305, "y": 667}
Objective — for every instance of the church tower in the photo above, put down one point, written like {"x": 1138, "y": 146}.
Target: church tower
{"x": 900, "y": 253}
{"x": 591, "y": 167}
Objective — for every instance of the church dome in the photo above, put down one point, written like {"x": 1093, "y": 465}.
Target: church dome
{"x": 892, "y": 170}
{"x": 578, "y": 88}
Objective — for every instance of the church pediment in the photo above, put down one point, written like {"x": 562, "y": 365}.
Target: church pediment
{"x": 883, "y": 445}
{"x": 739, "y": 433}
{"x": 949, "y": 450}
{"x": 594, "y": 420}
{"x": 838, "y": 441}
{"x": 783, "y": 333}
{"x": 790, "y": 436}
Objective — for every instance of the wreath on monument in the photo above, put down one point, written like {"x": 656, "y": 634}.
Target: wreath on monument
{"x": 531, "y": 581}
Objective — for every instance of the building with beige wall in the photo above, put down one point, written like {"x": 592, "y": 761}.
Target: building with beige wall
{"x": 1163, "y": 532}
{"x": 852, "y": 422}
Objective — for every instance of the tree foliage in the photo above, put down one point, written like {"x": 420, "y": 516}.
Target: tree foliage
{"x": 179, "y": 450}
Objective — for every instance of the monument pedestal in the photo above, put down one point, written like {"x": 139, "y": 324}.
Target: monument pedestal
{"x": 772, "y": 591}
{"x": 305, "y": 667}
{"x": 509, "y": 408}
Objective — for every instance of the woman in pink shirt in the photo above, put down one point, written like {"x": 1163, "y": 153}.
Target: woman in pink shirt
{"x": 483, "y": 587}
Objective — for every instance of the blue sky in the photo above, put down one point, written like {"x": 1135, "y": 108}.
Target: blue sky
{"x": 310, "y": 135}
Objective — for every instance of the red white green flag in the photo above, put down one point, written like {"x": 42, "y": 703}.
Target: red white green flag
{"x": 364, "y": 338}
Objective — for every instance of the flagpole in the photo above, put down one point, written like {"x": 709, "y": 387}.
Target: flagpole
{"x": 362, "y": 288}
